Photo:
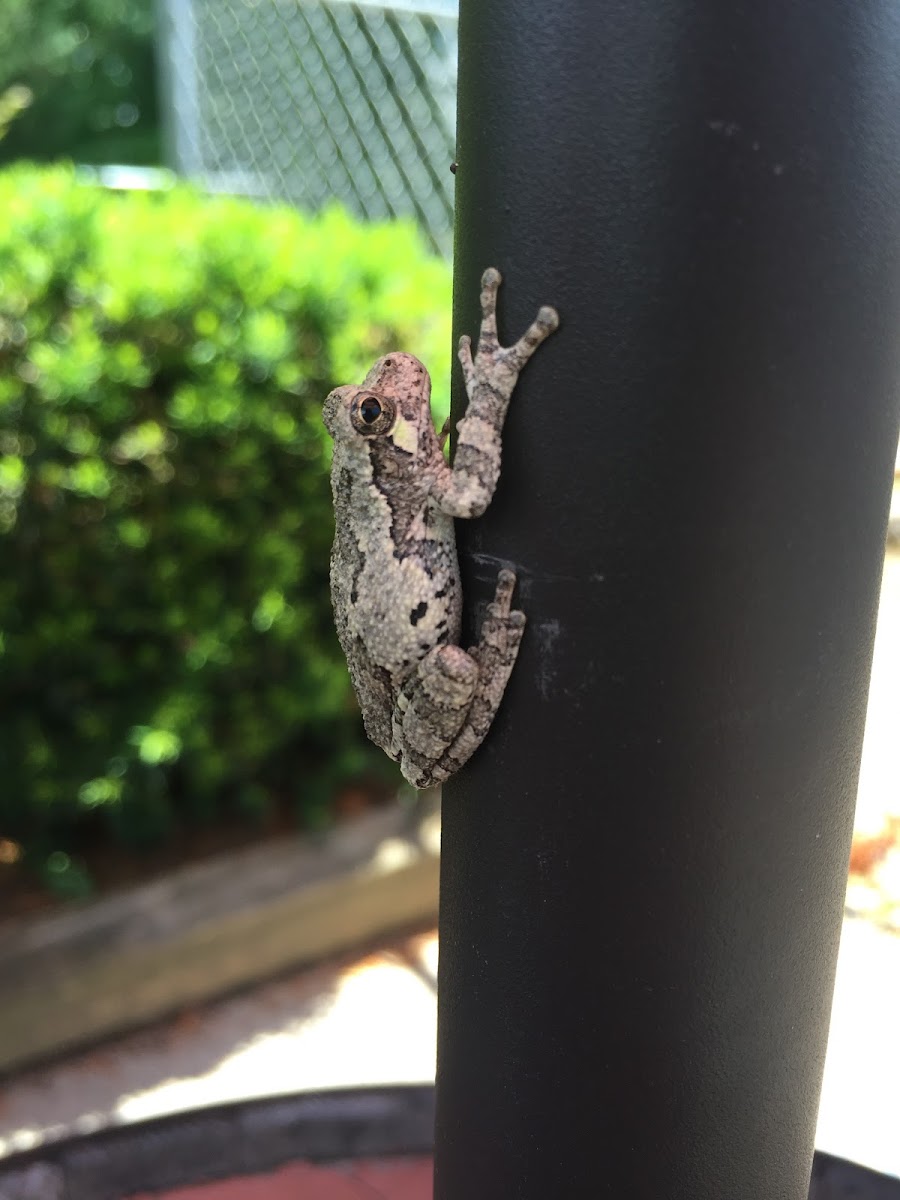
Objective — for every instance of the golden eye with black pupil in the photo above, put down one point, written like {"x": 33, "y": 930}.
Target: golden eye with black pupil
{"x": 372, "y": 415}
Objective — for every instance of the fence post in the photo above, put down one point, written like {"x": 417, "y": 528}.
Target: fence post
{"x": 179, "y": 86}
{"x": 644, "y": 866}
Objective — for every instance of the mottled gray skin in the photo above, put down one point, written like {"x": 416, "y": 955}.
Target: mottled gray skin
{"x": 394, "y": 572}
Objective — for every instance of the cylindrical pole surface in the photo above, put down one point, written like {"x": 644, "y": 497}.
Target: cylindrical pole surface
{"x": 644, "y": 865}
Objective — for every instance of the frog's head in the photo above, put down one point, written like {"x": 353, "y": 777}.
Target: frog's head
{"x": 393, "y": 403}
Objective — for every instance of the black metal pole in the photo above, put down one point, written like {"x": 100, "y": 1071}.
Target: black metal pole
{"x": 644, "y": 865}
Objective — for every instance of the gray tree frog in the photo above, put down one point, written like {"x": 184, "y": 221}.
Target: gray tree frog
{"x": 395, "y": 582}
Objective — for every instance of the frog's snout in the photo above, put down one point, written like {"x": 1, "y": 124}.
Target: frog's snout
{"x": 330, "y": 410}
{"x": 328, "y": 413}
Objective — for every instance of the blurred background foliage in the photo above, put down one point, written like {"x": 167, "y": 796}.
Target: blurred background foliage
{"x": 166, "y": 645}
{"x": 80, "y": 79}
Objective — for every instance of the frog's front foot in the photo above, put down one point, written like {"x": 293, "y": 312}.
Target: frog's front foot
{"x": 499, "y": 366}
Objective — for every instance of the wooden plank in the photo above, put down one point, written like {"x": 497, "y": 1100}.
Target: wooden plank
{"x": 124, "y": 960}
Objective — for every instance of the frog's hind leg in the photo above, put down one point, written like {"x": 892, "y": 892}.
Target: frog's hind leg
{"x": 430, "y": 711}
{"x": 495, "y": 654}
{"x": 444, "y": 713}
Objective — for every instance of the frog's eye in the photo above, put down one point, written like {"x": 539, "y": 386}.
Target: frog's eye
{"x": 370, "y": 409}
{"x": 371, "y": 414}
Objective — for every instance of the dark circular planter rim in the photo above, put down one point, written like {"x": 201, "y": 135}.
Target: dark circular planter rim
{"x": 256, "y": 1136}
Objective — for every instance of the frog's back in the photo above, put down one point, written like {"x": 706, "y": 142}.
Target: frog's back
{"x": 397, "y": 599}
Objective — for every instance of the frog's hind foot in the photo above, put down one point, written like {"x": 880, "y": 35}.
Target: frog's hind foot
{"x": 501, "y": 632}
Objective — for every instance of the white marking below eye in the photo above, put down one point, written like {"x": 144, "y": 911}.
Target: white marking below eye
{"x": 405, "y": 435}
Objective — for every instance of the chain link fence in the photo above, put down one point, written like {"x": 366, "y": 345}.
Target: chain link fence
{"x": 315, "y": 100}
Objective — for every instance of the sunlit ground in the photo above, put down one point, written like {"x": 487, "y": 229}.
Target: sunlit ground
{"x": 366, "y": 1022}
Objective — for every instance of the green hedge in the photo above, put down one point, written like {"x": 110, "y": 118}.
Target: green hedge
{"x": 166, "y": 644}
